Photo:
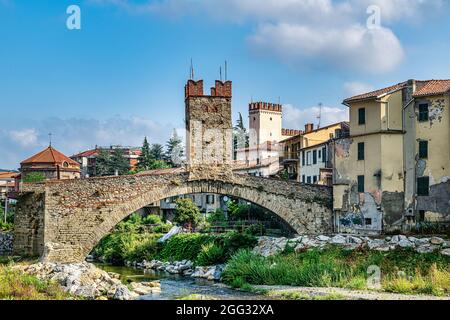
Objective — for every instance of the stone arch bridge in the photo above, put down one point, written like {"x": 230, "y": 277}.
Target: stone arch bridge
{"x": 62, "y": 221}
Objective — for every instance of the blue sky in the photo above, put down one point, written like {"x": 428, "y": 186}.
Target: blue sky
{"x": 121, "y": 76}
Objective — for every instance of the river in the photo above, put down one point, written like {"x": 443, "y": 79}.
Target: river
{"x": 174, "y": 287}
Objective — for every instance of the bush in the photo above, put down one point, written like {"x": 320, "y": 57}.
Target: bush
{"x": 118, "y": 247}
{"x": 184, "y": 246}
{"x": 152, "y": 219}
{"x": 210, "y": 254}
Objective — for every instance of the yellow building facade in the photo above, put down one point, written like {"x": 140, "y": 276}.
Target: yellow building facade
{"x": 375, "y": 177}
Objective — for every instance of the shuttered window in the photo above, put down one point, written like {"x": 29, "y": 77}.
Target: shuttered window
{"x": 361, "y": 184}
{"x": 423, "y": 186}
{"x": 423, "y": 149}
{"x": 362, "y": 116}
{"x": 361, "y": 151}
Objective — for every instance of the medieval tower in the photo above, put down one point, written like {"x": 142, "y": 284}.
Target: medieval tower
{"x": 208, "y": 124}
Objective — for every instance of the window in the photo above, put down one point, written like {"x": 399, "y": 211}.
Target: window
{"x": 423, "y": 186}
{"x": 362, "y": 116}
{"x": 423, "y": 149}
{"x": 423, "y": 112}
{"x": 308, "y": 158}
{"x": 314, "y": 179}
{"x": 303, "y": 158}
{"x": 308, "y": 180}
{"x": 270, "y": 119}
{"x": 361, "y": 184}
{"x": 320, "y": 154}
{"x": 304, "y": 179}
{"x": 361, "y": 151}
{"x": 368, "y": 221}
{"x": 324, "y": 154}
{"x": 254, "y": 119}
{"x": 315, "y": 157}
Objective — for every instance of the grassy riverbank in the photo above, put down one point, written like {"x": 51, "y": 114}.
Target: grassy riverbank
{"x": 16, "y": 285}
{"x": 402, "y": 271}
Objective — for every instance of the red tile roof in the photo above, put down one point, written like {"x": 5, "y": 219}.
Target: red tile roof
{"x": 87, "y": 153}
{"x": 433, "y": 87}
{"x": 423, "y": 88}
{"x": 49, "y": 155}
{"x": 376, "y": 93}
{"x": 8, "y": 175}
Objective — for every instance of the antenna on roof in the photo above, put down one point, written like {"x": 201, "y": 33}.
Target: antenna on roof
{"x": 191, "y": 71}
{"x": 220, "y": 73}
{"x": 320, "y": 114}
{"x": 226, "y": 71}
{"x": 50, "y": 139}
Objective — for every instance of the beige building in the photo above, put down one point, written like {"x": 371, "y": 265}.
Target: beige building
{"x": 305, "y": 155}
{"x": 51, "y": 164}
{"x": 376, "y": 165}
{"x": 261, "y": 158}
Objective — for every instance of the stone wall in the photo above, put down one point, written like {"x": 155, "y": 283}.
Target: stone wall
{"x": 6, "y": 243}
{"x": 29, "y": 223}
{"x": 79, "y": 213}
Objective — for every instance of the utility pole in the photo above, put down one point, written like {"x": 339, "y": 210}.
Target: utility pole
{"x": 320, "y": 115}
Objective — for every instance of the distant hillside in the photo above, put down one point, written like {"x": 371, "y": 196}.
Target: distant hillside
{"x": 4, "y": 170}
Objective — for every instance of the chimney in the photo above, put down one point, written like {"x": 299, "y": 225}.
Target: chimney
{"x": 309, "y": 127}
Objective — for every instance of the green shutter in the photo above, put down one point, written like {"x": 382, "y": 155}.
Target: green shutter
{"x": 423, "y": 149}
{"x": 361, "y": 187}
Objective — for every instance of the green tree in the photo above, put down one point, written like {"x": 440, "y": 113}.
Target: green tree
{"x": 187, "y": 213}
{"x": 119, "y": 162}
{"x": 145, "y": 160}
{"x": 157, "y": 152}
{"x": 240, "y": 136}
{"x": 103, "y": 164}
{"x": 174, "y": 153}
{"x": 159, "y": 164}
{"x": 33, "y": 177}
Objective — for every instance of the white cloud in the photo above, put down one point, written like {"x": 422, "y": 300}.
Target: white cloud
{"x": 296, "y": 118}
{"x": 318, "y": 34}
{"x": 350, "y": 48}
{"x": 354, "y": 88}
{"x": 73, "y": 135}
{"x": 25, "y": 137}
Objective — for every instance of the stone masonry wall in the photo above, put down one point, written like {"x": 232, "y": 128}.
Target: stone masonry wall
{"x": 29, "y": 224}
{"x": 79, "y": 213}
{"x": 6, "y": 243}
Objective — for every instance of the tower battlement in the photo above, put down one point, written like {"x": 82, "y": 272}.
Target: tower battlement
{"x": 275, "y": 107}
{"x": 220, "y": 89}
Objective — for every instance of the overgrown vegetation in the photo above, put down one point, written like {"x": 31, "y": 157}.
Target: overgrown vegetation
{"x": 131, "y": 242}
{"x": 403, "y": 271}
{"x": 15, "y": 285}
{"x": 9, "y": 224}
{"x": 33, "y": 177}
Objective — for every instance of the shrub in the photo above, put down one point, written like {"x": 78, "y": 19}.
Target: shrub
{"x": 152, "y": 219}
{"x": 211, "y": 254}
{"x": 184, "y": 247}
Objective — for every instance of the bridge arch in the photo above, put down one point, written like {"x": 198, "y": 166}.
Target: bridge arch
{"x": 71, "y": 217}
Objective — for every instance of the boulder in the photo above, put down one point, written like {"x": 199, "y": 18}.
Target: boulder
{"x": 338, "y": 239}
{"x": 323, "y": 238}
{"x": 405, "y": 243}
{"x": 437, "y": 241}
{"x": 445, "y": 252}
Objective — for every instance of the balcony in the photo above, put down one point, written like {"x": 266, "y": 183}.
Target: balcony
{"x": 289, "y": 157}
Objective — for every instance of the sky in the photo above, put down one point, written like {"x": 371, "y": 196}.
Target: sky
{"x": 121, "y": 76}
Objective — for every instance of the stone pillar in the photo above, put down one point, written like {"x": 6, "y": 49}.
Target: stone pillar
{"x": 29, "y": 225}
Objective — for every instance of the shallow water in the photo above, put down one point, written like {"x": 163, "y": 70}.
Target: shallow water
{"x": 175, "y": 286}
